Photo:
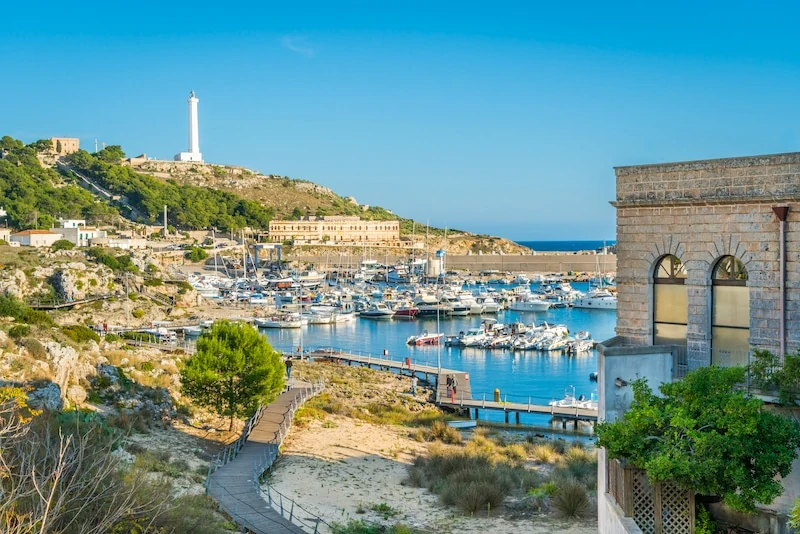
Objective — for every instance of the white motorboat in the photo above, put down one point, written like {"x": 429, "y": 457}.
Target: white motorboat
{"x": 379, "y": 310}
{"x": 425, "y": 339}
{"x": 599, "y": 299}
{"x": 529, "y": 303}
{"x": 489, "y": 304}
{"x": 291, "y": 320}
{"x": 474, "y": 337}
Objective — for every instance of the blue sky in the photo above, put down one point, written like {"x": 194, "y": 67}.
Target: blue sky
{"x": 494, "y": 117}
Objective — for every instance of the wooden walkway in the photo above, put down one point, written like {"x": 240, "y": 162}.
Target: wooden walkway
{"x": 58, "y": 304}
{"x": 463, "y": 396}
{"x": 235, "y": 485}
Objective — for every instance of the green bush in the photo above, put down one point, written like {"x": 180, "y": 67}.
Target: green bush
{"x": 154, "y": 282}
{"x": 34, "y": 348}
{"x": 62, "y": 244}
{"x": 196, "y": 254}
{"x": 183, "y": 285}
{"x": 79, "y": 333}
{"x": 138, "y": 313}
{"x": 362, "y": 527}
{"x": 18, "y": 331}
{"x": 121, "y": 262}
{"x": 111, "y": 337}
{"x": 146, "y": 367}
{"x": 571, "y": 501}
{"x": 12, "y": 307}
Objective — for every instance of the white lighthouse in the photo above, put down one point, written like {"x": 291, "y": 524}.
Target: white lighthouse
{"x": 194, "y": 133}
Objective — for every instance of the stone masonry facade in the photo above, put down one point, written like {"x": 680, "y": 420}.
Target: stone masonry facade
{"x": 700, "y": 211}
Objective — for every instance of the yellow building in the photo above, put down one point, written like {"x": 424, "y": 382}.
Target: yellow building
{"x": 65, "y": 145}
{"x": 335, "y": 230}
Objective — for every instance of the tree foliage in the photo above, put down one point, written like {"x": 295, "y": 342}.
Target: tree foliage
{"x": 196, "y": 254}
{"x": 62, "y": 244}
{"x": 234, "y": 370}
{"x": 188, "y": 206}
{"x": 768, "y": 372}
{"x": 35, "y": 197}
{"x": 708, "y": 436}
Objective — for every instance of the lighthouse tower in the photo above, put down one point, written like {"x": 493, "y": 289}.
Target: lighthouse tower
{"x": 194, "y": 133}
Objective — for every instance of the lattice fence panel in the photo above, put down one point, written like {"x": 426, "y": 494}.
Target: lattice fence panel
{"x": 643, "y": 503}
{"x": 677, "y": 509}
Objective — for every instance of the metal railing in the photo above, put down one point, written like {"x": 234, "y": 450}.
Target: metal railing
{"x": 286, "y": 507}
{"x": 231, "y": 450}
{"x": 261, "y": 464}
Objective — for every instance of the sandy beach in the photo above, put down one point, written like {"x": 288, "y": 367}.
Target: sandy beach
{"x": 341, "y": 468}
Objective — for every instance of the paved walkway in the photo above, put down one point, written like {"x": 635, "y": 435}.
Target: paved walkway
{"x": 233, "y": 485}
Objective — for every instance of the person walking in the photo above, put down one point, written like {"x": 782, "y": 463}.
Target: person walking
{"x": 288, "y": 368}
{"x": 454, "y": 384}
{"x": 413, "y": 384}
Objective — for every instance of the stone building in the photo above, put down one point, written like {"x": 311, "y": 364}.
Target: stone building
{"x": 708, "y": 268}
{"x": 313, "y": 230}
{"x": 65, "y": 145}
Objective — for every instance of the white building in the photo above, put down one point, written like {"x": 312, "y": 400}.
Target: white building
{"x": 5, "y": 234}
{"x": 194, "y": 134}
{"x": 36, "y": 238}
{"x": 71, "y": 223}
{"x": 81, "y": 236}
{"x": 120, "y": 243}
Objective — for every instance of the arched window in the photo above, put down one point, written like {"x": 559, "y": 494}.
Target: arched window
{"x": 670, "y": 302}
{"x": 730, "y": 312}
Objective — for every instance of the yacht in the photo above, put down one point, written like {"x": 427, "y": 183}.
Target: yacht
{"x": 529, "y": 303}
{"x": 598, "y": 299}
{"x": 489, "y": 304}
{"x": 290, "y": 320}
{"x": 474, "y": 337}
{"x": 379, "y": 310}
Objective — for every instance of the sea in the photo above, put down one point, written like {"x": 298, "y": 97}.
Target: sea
{"x": 566, "y": 246}
{"x": 529, "y": 376}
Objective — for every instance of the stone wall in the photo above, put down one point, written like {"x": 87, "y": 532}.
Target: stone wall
{"x": 699, "y": 212}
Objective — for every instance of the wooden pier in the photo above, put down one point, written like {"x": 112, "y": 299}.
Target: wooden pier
{"x": 462, "y": 399}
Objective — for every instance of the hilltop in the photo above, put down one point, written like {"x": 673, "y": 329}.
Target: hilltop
{"x": 36, "y": 187}
{"x": 290, "y": 198}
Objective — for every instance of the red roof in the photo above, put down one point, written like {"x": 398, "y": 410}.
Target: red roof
{"x": 35, "y": 232}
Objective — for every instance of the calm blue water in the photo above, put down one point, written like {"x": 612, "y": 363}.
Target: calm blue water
{"x": 565, "y": 246}
{"x": 519, "y": 375}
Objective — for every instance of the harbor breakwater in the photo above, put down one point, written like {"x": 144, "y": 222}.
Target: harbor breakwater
{"x": 541, "y": 262}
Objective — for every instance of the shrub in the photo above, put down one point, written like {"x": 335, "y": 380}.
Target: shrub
{"x": 571, "y": 501}
{"x": 79, "y": 333}
{"x": 154, "y": 282}
{"x": 18, "y": 331}
{"x": 34, "y": 348}
{"x": 62, "y": 244}
{"x": 138, "y": 313}
{"x": 111, "y": 337}
{"x": 474, "y": 496}
{"x": 196, "y": 254}
{"x": 12, "y": 307}
{"x": 146, "y": 367}
{"x": 440, "y": 431}
{"x": 184, "y": 285}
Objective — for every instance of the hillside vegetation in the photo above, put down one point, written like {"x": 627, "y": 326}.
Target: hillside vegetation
{"x": 189, "y": 206}
{"x": 35, "y": 196}
{"x": 198, "y": 196}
